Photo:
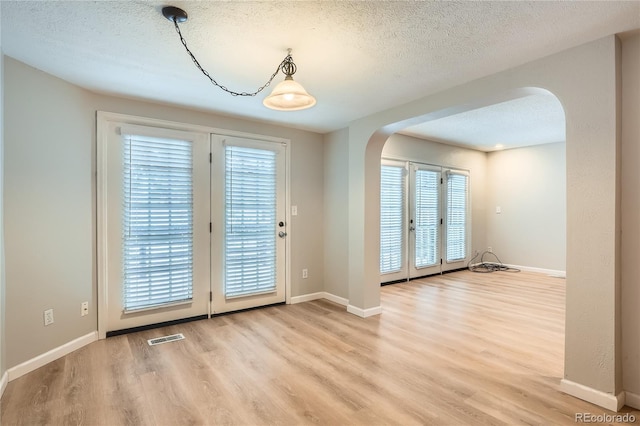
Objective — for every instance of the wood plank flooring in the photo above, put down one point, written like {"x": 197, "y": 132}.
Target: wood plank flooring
{"x": 458, "y": 349}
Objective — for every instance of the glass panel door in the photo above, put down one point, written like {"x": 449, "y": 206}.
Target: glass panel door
{"x": 249, "y": 226}
{"x": 393, "y": 221}
{"x": 157, "y": 222}
{"x": 456, "y": 220}
{"x": 425, "y": 223}
{"x": 425, "y": 220}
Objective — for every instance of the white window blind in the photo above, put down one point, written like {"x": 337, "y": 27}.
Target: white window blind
{"x": 457, "y": 187}
{"x": 427, "y": 217}
{"x": 250, "y": 222}
{"x": 391, "y": 218}
{"x": 157, "y": 222}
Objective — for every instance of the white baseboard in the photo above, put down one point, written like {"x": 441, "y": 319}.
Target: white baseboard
{"x": 632, "y": 400}
{"x": 599, "y": 398}
{"x": 3, "y": 383}
{"x": 552, "y": 272}
{"x": 307, "y": 297}
{"x": 336, "y": 299}
{"x": 52, "y": 355}
{"x": 364, "y": 313}
{"x": 320, "y": 295}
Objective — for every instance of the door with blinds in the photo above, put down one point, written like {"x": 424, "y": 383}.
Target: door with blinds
{"x": 393, "y": 221}
{"x": 456, "y": 219}
{"x": 424, "y": 220}
{"x": 248, "y": 207}
{"x": 157, "y": 225}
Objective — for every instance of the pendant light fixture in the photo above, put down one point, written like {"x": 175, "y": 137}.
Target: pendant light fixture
{"x": 288, "y": 95}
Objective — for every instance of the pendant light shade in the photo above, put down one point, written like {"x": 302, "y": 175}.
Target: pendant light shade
{"x": 289, "y": 95}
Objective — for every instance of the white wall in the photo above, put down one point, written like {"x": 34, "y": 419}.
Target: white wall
{"x": 336, "y": 250}
{"x": 529, "y": 185}
{"x": 630, "y": 264}
{"x": 48, "y": 211}
{"x": 410, "y": 148}
{"x": 50, "y": 200}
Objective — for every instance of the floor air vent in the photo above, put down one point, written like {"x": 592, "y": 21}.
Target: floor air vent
{"x": 165, "y": 339}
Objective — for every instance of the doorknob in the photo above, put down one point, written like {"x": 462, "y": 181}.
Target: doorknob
{"x": 411, "y": 228}
{"x": 282, "y": 234}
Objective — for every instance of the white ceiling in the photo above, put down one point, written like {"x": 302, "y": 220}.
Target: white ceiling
{"x": 356, "y": 58}
{"x": 531, "y": 120}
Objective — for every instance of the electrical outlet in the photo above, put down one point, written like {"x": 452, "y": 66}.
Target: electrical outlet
{"x": 84, "y": 309}
{"x": 48, "y": 317}
{"x": 305, "y": 273}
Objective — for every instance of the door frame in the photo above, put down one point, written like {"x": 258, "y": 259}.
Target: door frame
{"x": 103, "y": 120}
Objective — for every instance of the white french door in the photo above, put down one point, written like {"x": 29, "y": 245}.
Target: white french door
{"x": 189, "y": 223}
{"x": 425, "y": 223}
{"x": 393, "y": 221}
{"x": 249, "y": 223}
{"x": 456, "y": 220}
{"x": 424, "y": 220}
{"x": 157, "y": 220}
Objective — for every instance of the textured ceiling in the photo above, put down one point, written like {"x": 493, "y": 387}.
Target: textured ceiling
{"x": 531, "y": 120}
{"x": 357, "y": 58}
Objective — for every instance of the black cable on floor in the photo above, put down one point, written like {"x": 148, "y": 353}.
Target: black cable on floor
{"x": 486, "y": 266}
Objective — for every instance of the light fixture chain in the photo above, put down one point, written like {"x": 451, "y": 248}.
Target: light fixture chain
{"x": 286, "y": 60}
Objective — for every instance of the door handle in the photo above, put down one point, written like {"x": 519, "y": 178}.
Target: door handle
{"x": 411, "y": 228}
{"x": 282, "y": 234}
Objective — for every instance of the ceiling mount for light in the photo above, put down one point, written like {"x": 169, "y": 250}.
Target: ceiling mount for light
{"x": 174, "y": 14}
{"x": 286, "y": 96}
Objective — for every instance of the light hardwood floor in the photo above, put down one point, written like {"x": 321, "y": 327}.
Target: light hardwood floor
{"x": 458, "y": 349}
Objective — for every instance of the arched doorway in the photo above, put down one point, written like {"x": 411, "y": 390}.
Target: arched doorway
{"x": 584, "y": 79}
{"x": 512, "y": 156}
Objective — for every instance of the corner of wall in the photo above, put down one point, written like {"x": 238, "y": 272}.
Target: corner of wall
{"x": 612, "y": 402}
{"x": 2, "y": 280}
{"x": 629, "y": 209}
{"x": 618, "y": 218}
{"x": 336, "y": 254}
{"x": 520, "y": 234}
